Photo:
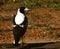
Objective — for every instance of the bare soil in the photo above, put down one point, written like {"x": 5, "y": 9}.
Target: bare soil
{"x": 44, "y": 25}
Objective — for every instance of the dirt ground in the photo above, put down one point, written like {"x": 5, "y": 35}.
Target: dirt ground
{"x": 44, "y": 25}
{"x": 53, "y": 45}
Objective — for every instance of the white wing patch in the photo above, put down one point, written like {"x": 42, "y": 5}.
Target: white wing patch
{"x": 19, "y": 18}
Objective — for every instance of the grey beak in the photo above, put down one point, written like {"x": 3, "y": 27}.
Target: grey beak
{"x": 26, "y": 9}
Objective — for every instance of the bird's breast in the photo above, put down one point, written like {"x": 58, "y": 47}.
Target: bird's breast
{"x": 19, "y": 19}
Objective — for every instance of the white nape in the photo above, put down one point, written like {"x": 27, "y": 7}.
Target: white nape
{"x": 19, "y": 17}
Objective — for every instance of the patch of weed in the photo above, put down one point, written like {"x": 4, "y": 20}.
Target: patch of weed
{"x": 53, "y": 4}
{"x": 31, "y": 3}
{"x": 58, "y": 35}
{"x": 49, "y": 29}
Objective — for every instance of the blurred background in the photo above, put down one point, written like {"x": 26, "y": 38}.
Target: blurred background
{"x": 43, "y": 19}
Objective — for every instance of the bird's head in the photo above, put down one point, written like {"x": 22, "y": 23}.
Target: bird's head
{"x": 23, "y": 9}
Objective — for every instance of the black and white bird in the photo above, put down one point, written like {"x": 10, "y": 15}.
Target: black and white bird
{"x": 20, "y": 23}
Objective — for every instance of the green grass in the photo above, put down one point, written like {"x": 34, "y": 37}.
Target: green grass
{"x": 10, "y": 1}
{"x": 49, "y": 29}
{"x": 6, "y": 18}
{"x": 31, "y": 3}
{"x": 53, "y": 4}
{"x": 34, "y": 3}
{"x": 58, "y": 35}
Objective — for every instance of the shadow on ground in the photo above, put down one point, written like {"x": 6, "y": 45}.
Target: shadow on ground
{"x": 51, "y": 45}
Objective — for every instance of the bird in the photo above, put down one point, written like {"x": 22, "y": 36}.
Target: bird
{"x": 20, "y": 23}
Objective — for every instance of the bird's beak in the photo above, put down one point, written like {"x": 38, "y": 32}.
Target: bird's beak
{"x": 26, "y": 9}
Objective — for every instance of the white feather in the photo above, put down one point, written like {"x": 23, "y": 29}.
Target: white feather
{"x": 14, "y": 42}
{"x": 19, "y": 18}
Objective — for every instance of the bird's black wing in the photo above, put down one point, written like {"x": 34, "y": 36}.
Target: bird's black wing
{"x": 25, "y": 23}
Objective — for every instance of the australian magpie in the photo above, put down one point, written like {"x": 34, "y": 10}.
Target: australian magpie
{"x": 20, "y": 23}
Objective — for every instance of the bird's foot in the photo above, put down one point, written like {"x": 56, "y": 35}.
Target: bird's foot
{"x": 16, "y": 45}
